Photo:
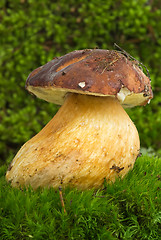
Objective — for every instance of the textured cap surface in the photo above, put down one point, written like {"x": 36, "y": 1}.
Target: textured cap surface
{"x": 93, "y": 72}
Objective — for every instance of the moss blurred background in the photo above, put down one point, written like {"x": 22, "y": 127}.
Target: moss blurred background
{"x": 34, "y": 32}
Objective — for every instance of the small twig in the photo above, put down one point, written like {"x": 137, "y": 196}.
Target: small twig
{"x": 61, "y": 199}
{"x": 129, "y": 56}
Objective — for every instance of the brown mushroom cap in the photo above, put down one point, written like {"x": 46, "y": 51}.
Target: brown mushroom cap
{"x": 92, "y": 72}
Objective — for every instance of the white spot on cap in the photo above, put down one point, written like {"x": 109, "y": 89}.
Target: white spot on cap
{"x": 82, "y": 84}
{"x": 121, "y": 95}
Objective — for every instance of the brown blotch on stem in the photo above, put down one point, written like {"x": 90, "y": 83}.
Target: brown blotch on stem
{"x": 116, "y": 168}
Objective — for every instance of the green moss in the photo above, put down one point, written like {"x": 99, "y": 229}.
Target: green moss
{"x": 128, "y": 209}
{"x": 32, "y": 33}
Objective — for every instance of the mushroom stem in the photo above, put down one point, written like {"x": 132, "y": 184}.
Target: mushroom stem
{"x": 89, "y": 139}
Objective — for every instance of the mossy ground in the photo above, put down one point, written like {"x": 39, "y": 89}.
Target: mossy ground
{"x": 128, "y": 209}
{"x": 32, "y": 33}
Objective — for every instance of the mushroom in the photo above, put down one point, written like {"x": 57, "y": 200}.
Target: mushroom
{"x": 91, "y": 138}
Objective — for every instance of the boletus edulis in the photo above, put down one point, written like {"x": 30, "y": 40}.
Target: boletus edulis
{"x": 91, "y": 138}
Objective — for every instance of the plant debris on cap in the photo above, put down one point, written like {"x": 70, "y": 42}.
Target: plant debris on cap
{"x": 93, "y": 72}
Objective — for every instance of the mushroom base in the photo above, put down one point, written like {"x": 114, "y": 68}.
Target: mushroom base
{"x": 89, "y": 139}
